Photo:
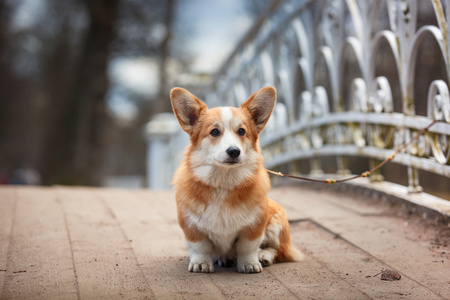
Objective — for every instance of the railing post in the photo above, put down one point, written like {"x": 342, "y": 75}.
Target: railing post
{"x": 376, "y": 176}
{"x": 342, "y": 165}
{"x": 158, "y": 133}
{"x": 316, "y": 167}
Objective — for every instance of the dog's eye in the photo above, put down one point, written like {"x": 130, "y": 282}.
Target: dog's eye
{"x": 215, "y": 132}
{"x": 241, "y": 132}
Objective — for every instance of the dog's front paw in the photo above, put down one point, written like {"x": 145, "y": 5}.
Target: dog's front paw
{"x": 201, "y": 266}
{"x": 250, "y": 267}
{"x": 267, "y": 256}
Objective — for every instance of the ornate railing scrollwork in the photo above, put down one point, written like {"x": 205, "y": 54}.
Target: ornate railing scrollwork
{"x": 346, "y": 74}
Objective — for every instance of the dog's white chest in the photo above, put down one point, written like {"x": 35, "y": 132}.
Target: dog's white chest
{"x": 222, "y": 219}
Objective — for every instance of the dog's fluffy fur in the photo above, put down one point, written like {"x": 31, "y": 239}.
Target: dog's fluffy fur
{"x": 221, "y": 187}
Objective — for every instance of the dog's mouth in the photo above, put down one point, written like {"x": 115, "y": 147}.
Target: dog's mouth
{"x": 232, "y": 162}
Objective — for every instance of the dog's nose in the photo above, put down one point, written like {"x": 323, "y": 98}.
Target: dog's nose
{"x": 233, "y": 152}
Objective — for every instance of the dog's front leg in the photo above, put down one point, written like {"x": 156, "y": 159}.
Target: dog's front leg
{"x": 200, "y": 254}
{"x": 247, "y": 255}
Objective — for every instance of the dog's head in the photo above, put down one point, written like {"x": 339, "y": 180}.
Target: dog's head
{"x": 223, "y": 136}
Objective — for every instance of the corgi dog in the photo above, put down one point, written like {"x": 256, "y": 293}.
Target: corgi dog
{"x": 221, "y": 187}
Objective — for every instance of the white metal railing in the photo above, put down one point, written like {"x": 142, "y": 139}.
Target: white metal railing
{"x": 347, "y": 76}
{"x": 165, "y": 145}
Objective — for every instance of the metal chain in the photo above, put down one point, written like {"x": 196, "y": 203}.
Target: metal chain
{"x": 364, "y": 174}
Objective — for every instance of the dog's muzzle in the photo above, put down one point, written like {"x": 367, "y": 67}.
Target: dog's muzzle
{"x": 233, "y": 152}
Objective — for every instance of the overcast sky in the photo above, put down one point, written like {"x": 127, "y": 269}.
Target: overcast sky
{"x": 217, "y": 26}
{"x": 214, "y": 29}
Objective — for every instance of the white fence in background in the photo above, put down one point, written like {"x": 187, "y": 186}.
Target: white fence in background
{"x": 165, "y": 144}
{"x": 347, "y": 75}
{"x": 354, "y": 79}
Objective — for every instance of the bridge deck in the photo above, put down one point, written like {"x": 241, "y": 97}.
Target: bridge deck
{"x": 104, "y": 243}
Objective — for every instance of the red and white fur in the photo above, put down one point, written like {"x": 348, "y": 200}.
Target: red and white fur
{"x": 221, "y": 187}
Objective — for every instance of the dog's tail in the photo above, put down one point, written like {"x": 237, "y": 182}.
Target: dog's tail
{"x": 290, "y": 253}
{"x": 294, "y": 254}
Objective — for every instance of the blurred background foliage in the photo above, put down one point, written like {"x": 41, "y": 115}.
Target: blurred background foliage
{"x": 79, "y": 79}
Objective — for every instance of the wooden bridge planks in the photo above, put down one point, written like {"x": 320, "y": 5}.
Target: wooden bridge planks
{"x": 7, "y": 212}
{"x": 104, "y": 260}
{"x": 104, "y": 243}
{"x": 376, "y": 230}
{"x": 356, "y": 267}
{"x": 39, "y": 261}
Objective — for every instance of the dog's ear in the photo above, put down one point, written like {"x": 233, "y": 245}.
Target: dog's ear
{"x": 260, "y": 105}
{"x": 187, "y": 108}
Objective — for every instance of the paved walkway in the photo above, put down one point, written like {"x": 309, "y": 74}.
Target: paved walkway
{"x": 82, "y": 243}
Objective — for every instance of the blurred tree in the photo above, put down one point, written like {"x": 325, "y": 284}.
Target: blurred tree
{"x": 5, "y": 15}
{"x": 59, "y": 64}
{"x": 55, "y": 83}
{"x": 164, "y": 54}
{"x": 16, "y": 104}
{"x": 76, "y": 143}
{"x": 145, "y": 30}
